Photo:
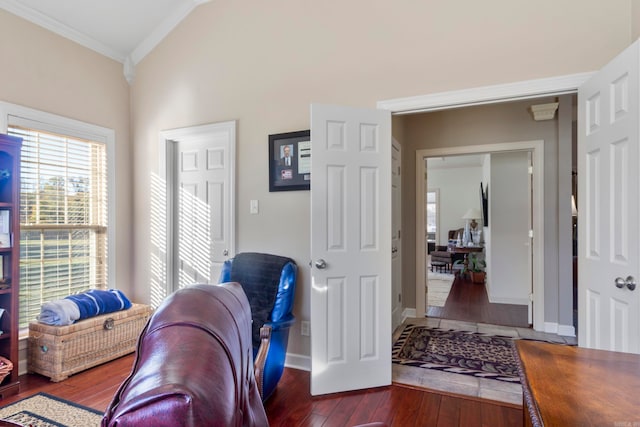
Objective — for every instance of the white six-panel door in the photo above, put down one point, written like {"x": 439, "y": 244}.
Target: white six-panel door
{"x": 609, "y": 190}
{"x": 203, "y": 202}
{"x": 350, "y": 249}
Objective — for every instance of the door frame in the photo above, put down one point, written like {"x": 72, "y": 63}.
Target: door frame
{"x": 167, "y": 177}
{"x": 536, "y": 147}
{"x": 528, "y": 89}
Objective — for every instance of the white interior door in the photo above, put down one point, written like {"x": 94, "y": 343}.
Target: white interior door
{"x": 608, "y": 226}
{"x": 396, "y": 234}
{"x": 203, "y": 202}
{"x": 350, "y": 249}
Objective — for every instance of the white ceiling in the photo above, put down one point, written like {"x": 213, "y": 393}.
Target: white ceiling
{"x": 124, "y": 30}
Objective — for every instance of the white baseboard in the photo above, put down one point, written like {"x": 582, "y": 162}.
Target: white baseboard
{"x": 551, "y": 327}
{"x": 564, "y": 330}
{"x": 500, "y": 300}
{"x": 298, "y": 361}
{"x": 408, "y": 312}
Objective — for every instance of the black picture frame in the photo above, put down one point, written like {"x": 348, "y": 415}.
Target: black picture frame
{"x": 295, "y": 174}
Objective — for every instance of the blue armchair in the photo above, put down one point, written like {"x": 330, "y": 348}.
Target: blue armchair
{"x": 269, "y": 281}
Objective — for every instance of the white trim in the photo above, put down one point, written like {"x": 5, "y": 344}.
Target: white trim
{"x": 477, "y": 96}
{"x": 486, "y": 94}
{"x": 555, "y": 328}
{"x": 128, "y": 59}
{"x": 408, "y": 312}
{"x": 537, "y": 147}
{"x": 66, "y": 126}
{"x": 567, "y": 330}
{"x": 517, "y": 301}
{"x": 38, "y": 18}
{"x": 298, "y": 361}
{"x": 161, "y": 31}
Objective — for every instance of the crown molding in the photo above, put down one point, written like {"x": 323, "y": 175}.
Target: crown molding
{"x": 129, "y": 60}
{"x": 162, "y": 30}
{"x": 31, "y": 15}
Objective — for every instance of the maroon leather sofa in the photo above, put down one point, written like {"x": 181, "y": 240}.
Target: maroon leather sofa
{"x": 194, "y": 364}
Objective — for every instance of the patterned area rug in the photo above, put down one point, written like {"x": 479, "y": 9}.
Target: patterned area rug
{"x": 45, "y": 410}
{"x": 438, "y": 288}
{"x": 460, "y": 352}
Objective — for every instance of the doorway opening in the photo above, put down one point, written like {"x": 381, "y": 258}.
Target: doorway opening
{"x": 454, "y": 146}
{"x": 466, "y": 277}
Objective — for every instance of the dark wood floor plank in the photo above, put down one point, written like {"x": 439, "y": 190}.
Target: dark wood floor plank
{"x": 386, "y": 410}
{"x": 470, "y": 413}
{"x": 344, "y": 409}
{"x": 501, "y": 417}
{"x": 372, "y": 400}
{"x": 292, "y": 403}
{"x": 429, "y": 410}
{"x": 468, "y": 301}
{"x": 449, "y": 414}
{"x": 410, "y": 402}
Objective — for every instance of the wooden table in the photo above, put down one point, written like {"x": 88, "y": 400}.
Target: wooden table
{"x": 572, "y": 386}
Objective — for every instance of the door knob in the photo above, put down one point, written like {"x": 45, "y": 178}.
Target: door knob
{"x": 629, "y": 282}
{"x": 321, "y": 264}
{"x": 225, "y": 252}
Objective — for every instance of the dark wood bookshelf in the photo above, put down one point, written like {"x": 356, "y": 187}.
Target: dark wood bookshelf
{"x": 9, "y": 298}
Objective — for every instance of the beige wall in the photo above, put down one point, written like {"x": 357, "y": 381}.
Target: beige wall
{"x": 46, "y": 72}
{"x": 263, "y": 64}
{"x": 635, "y": 19}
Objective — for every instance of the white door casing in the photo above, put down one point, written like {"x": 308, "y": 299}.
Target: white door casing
{"x": 200, "y": 201}
{"x": 350, "y": 223}
{"x": 396, "y": 234}
{"x": 485, "y": 95}
{"x": 536, "y": 147}
{"x": 608, "y": 194}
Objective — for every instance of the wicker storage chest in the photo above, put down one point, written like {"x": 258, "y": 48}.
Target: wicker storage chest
{"x": 60, "y": 351}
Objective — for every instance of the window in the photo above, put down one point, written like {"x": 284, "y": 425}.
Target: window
{"x": 432, "y": 219}
{"x": 66, "y": 202}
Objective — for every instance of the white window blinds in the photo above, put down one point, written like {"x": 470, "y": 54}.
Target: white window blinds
{"x": 63, "y": 218}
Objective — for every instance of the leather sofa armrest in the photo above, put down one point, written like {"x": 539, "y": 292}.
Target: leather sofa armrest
{"x": 261, "y": 357}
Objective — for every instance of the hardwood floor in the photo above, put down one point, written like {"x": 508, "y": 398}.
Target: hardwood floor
{"x": 469, "y": 302}
{"x": 292, "y": 404}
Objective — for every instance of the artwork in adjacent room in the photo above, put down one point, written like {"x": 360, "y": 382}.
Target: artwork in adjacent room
{"x": 484, "y": 202}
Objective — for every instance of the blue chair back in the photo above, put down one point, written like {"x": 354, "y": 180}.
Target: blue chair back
{"x": 269, "y": 282}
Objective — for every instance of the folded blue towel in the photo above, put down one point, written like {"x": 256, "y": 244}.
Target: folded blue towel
{"x": 60, "y": 312}
{"x": 96, "y": 302}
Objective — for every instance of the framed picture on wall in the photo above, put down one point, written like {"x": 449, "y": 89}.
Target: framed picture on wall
{"x": 290, "y": 161}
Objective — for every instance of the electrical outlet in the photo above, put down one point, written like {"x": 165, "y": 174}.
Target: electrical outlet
{"x": 304, "y": 328}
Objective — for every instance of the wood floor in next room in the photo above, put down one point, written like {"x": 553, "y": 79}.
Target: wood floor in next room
{"x": 469, "y": 302}
{"x": 293, "y": 405}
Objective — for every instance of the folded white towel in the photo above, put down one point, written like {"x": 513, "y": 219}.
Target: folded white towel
{"x": 61, "y": 312}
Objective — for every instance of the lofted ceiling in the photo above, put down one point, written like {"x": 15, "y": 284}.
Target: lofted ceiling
{"x": 124, "y": 30}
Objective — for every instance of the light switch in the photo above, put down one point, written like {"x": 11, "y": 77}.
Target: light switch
{"x": 253, "y": 207}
